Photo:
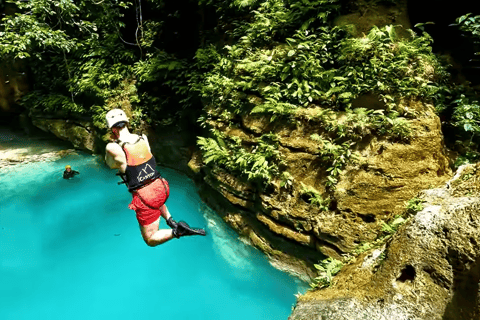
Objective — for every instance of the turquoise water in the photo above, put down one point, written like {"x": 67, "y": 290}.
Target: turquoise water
{"x": 71, "y": 249}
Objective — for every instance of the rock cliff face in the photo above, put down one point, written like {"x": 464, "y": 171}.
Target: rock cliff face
{"x": 430, "y": 268}
{"x": 370, "y": 191}
{"x": 80, "y": 133}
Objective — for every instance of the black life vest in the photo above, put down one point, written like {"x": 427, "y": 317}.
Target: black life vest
{"x": 141, "y": 164}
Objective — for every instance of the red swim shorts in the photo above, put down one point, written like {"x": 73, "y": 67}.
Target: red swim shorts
{"x": 148, "y": 200}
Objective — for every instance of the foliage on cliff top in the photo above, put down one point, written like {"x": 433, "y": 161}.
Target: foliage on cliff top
{"x": 286, "y": 56}
{"x": 88, "y": 57}
{"x": 271, "y": 57}
{"x": 471, "y": 26}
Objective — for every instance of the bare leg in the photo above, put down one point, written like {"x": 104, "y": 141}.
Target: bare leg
{"x": 165, "y": 213}
{"x": 153, "y": 236}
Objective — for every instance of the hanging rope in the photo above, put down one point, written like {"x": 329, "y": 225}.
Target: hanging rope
{"x": 139, "y": 17}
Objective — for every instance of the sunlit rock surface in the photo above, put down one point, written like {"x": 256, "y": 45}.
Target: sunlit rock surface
{"x": 371, "y": 190}
{"x": 16, "y": 147}
{"x": 430, "y": 268}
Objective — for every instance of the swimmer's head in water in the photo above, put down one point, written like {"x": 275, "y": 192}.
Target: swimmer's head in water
{"x": 116, "y": 117}
{"x": 68, "y": 167}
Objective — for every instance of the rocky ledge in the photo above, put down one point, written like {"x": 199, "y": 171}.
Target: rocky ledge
{"x": 17, "y": 147}
{"x": 17, "y": 156}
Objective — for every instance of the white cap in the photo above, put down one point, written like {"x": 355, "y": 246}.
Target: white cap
{"x": 115, "y": 116}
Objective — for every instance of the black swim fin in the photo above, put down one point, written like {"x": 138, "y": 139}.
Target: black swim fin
{"x": 183, "y": 229}
{"x": 172, "y": 223}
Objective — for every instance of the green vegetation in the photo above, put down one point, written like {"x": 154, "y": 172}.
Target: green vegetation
{"x": 466, "y": 117}
{"x": 257, "y": 162}
{"x": 85, "y": 60}
{"x": 73, "y": 54}
{"x": 393, "y": 226}
{"x": 471, "y": 26}
{"x": 302, "y": 64}
{"x": 413, "y": 206}
{"x": 469, "y": 157}
{"x": 327, "y": 269}
{"x": 389, "y": 229}
{"x": 467, "y": 173}
{"x": 274, "y": 58}
{"x": 312, "y": 196}
{"x": 465, "y": 105}
{"x": 287, "y": 180}
{"x": 364, "y": 247}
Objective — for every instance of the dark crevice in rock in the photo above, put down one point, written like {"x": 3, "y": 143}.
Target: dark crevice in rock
{"x": 88, "y": 129}
{"x": 393, "y": 188}
{"x": 377, "y": 171}
{"x": 437, "y": 277}
{"x": 458, "y": 260}
{"x": 407, "y": 274}
{"x": 235, "y": 193}
{"x": 294, "y": 223}
{"x": 295, "y": 149}
{"x": 473, "y": 241}
{"x": 328, "y": 238}
{"x": 331, "y": 246}
{"x": 368, "y": 218}
{"x": 465, "y": 303}
{"x": 445, "y": 232}
{"x": 287, "y": 245}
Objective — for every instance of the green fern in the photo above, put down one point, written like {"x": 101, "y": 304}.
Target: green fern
{"x": 393, "y": 226}
{"x": 327, "y": 269}
{"x": 258, "y": 163}
{"x": 315, "y": 198}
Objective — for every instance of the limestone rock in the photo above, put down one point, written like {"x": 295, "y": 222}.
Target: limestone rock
{"x": 80, "y": 133}
{"x": 237, "y": 203}
{"x": 172, "y": 147}
{"x": 431, "y": 268}
{"x": 386, "y": 176}
{"x": 370, "y": 191}
{"x": 21, "y": 156}
{"x": 195, "y": 163}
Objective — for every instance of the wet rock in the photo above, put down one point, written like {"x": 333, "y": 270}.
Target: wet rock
{"x": 237, "y": 203}
{"x": 173, "y": 147}
{"x": 17, "y": 147}
{"x": 80, "y": 133}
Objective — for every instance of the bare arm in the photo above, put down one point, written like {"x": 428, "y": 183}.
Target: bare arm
{"x": 115, "y": 157}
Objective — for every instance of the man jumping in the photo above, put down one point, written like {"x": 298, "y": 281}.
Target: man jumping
{"x": 131, "y": 155}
